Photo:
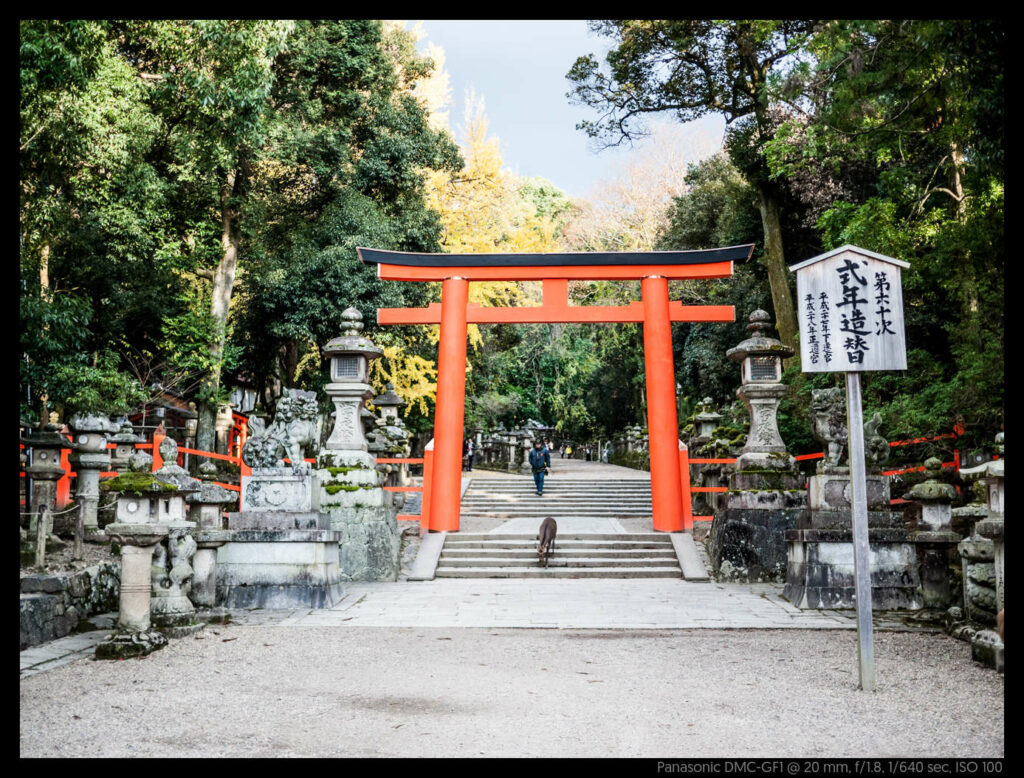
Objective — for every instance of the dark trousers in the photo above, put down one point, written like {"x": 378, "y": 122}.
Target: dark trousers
{"x": 538, "y": 478}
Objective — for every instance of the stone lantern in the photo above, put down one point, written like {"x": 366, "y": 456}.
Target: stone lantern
{"x": 89, "y": 439}
{"x": 936, "y": 542}
{"x": 761, "y": 390}
{"x": 389, "y": 403}
{"x": 351, "y": 487}
{"x": 44, "y": 472}
{"x": 205, "y": 508}
{"x": 707, "y": 420}
{"x": 349, "y": 387}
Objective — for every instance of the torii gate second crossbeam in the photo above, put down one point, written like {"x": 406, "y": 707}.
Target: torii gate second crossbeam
{"x": 652, "y": 268}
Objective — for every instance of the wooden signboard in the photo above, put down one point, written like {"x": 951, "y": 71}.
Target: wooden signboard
{"x": 851, "y": 312}
{"x": 851, "y": 320}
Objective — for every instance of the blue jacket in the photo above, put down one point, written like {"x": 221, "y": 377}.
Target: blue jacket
{"x": 539, "y": 459}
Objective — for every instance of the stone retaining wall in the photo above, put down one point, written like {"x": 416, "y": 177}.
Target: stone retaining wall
{"x": 52, "y": 605}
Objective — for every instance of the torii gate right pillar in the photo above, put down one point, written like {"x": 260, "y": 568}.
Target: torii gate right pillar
{"x": 662, "y": 421}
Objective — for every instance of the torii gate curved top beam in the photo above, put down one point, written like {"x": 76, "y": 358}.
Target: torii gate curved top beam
{"x": 653, "y": 269}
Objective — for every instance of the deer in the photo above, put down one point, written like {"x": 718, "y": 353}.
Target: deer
{"x": 546, "y": 536}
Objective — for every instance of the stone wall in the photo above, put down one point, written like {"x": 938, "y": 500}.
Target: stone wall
{"x": 52, "y": 605}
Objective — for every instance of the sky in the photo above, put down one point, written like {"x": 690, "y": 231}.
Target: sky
{"x": 519, "y": 68}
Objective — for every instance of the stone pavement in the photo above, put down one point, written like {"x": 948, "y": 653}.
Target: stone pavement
{"x": 58, "y": 653}
{"x": 642, "y": 604}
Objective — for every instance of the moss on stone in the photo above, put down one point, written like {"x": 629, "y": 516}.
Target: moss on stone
{"x": 136, "y": 483}
{"x": 335, "y": 488}
{"x": 341, "y": 470}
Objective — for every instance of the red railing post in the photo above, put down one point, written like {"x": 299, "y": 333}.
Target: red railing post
{"x": 428, "y": 471}
{"x": 158, "y": 461}
{"x": 684, "y": 480}
{"x": 64, "y": 482}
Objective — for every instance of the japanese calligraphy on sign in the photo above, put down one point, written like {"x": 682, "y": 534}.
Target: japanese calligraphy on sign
{"x": 851, "y": 312}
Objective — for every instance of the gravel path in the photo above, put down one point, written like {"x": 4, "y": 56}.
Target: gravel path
{"x": 260, "y": 691}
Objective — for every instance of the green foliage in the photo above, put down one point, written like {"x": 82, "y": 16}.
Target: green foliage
{"x": 96, "y": 388}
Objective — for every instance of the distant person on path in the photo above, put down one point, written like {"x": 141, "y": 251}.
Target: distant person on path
{"x": 561, "y": 451}
{"x": 607, "y": 452}
{"x": 568, "y": 451}
{"x": 469, "y": 455}
{"x": 540, "y": 460}
{"x": 588, "y": 453}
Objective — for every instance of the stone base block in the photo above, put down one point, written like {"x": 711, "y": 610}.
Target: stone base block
{"x": 830, "y": 492}
{"x": 125, "y": 645}
{"x": 278, "y": 520}
{"x": 843, "y": 520}
{"x": 987, "y": 648}
{"x": 820, "y": 572}
{"x": 279, "y": 489}
{"x": 279, "y": 569}
{"x": 369, "y": 546}
{"x": 747, "y": 544}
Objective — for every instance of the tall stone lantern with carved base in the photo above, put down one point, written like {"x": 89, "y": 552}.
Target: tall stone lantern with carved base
{"x": 351, "y": 487}
{"x": 766, "y": 498}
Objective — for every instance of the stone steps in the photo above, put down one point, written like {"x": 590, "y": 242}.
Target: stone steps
{"x": 576, "y": 555}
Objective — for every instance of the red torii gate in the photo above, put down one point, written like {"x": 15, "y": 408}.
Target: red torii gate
{"x": 454, "y": 313}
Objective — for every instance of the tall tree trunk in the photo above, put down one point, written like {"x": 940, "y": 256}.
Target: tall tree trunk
{"x": 775, "y": 261}
{"x": 223, "y": 284}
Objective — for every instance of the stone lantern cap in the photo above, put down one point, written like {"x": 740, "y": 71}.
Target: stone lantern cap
{"x": 932, "y": 489}
{"x": 171, "y": 472}
{"x": 92, "y": 422}
{"x": 389, "y": 398}
{"x": 350, "y": 341}
{"x": 707, "y": 411}
{"x": 210, "y": 493}
{"x": 45, "y": 439}
{"x": 125, "y": 435}
{"x": 760, "y": 343}
{"x": 987, "y": 470}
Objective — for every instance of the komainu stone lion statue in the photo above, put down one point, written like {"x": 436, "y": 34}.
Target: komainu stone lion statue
{"x": 828, "y": 424}
{"x": 294, "y": 427}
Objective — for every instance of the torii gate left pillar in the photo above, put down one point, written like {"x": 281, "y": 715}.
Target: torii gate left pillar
{"x": 455, "y": 313}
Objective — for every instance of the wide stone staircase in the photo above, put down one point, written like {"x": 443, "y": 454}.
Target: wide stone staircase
{"x": 577, "y": 554}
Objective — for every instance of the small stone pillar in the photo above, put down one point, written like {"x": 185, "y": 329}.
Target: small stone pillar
{"x": 45, "y": 471}
{"x": 205, "y": 508}
{"x": 351, "y": 487}
{"x": 766, "y": 498}
{"x": 222, "y": 425}
{"x": 935, "y": 539}
{"x": 89, "y": 439}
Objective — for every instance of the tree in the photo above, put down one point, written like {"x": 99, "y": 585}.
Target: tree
{"x": 690, "y": 68}
{"x": 906, "y": 115}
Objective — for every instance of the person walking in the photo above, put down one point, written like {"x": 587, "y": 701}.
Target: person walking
{"x": 469, "y": 455}
{"x": 540, "y": 460}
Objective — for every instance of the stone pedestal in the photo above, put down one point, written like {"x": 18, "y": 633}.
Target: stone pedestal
{"x": 282, "y": 552}
{"x": 977, "y": 555}
{"x": 820, "y": 571}
{"x": 748, "y": 538}
{"x": 134, "y": 635}
{"x": 936, "y": 556}
{"x": 172, "y": 573}
{"x": 204, "y": 567}
{"x": 351, "y": 491}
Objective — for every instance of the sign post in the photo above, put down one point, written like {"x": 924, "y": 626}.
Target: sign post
{"x": 851, "y": 320}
